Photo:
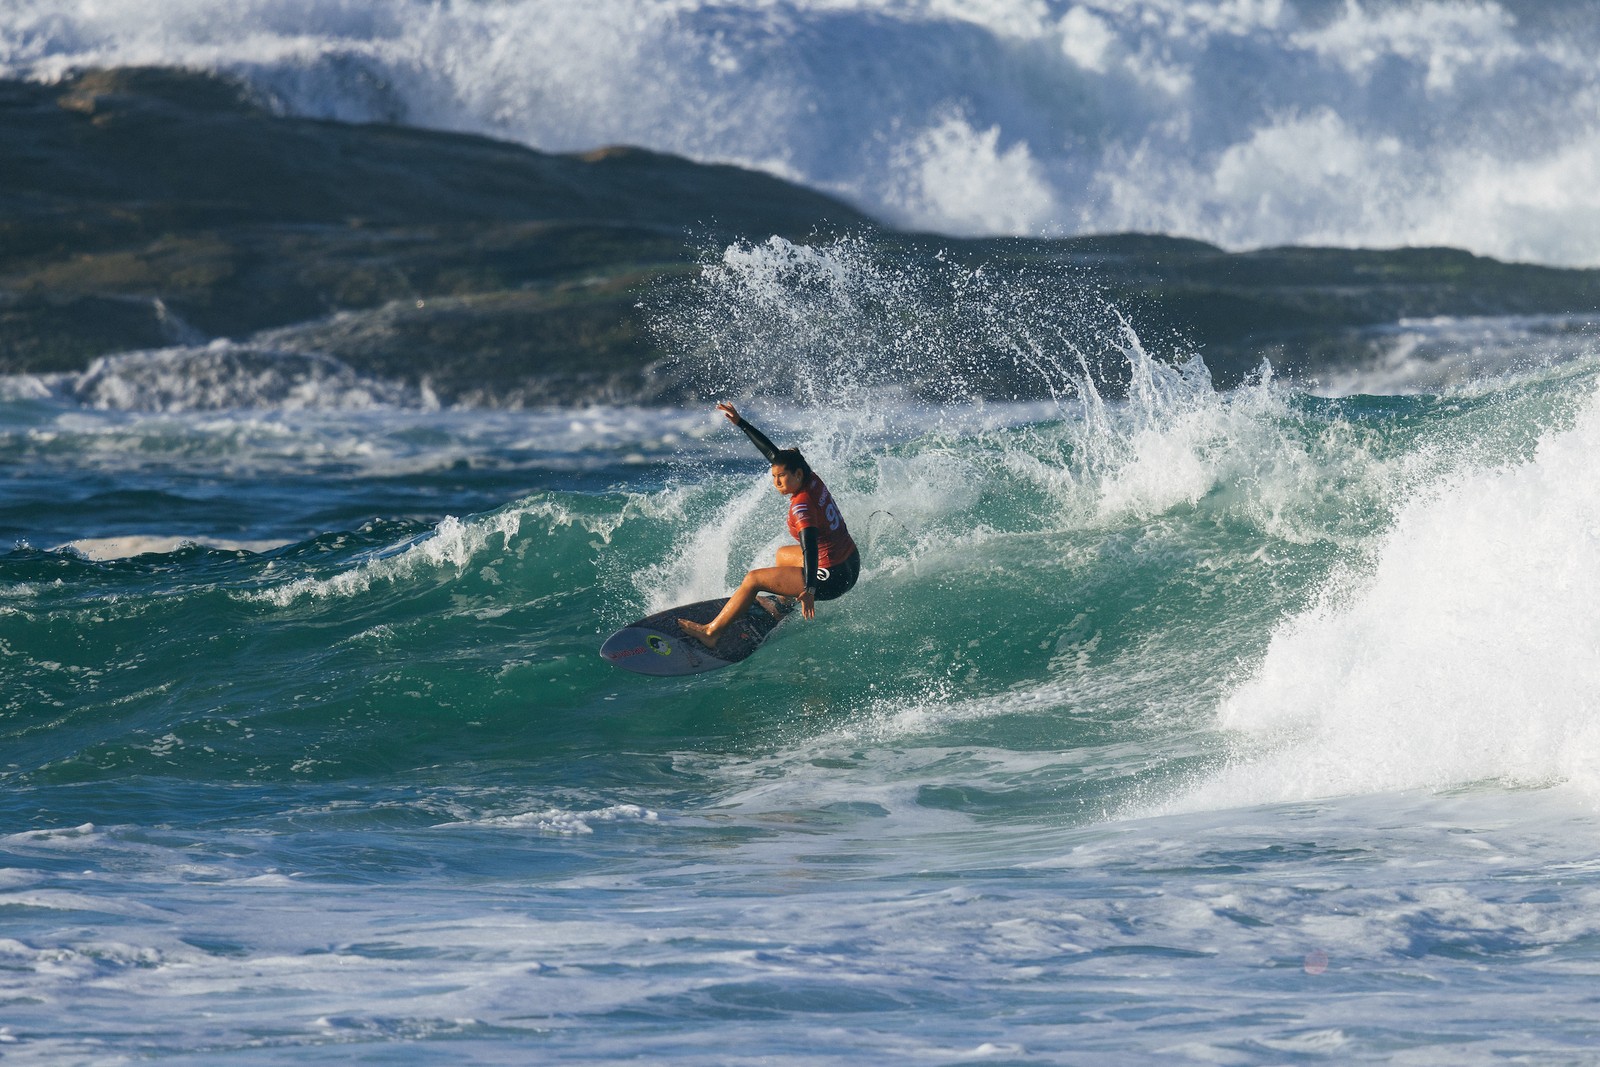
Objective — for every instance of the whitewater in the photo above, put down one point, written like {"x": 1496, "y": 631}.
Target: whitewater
{"x": 1248, "y": 123}
{"x": 1165, "y": 724}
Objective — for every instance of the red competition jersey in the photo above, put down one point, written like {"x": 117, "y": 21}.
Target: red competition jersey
{"x": 813, "y": 506}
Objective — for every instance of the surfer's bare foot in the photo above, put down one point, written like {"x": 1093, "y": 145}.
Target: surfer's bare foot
{"x": 700, "y": 633}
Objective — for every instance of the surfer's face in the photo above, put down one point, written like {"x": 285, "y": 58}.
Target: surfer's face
{"x": 788, "y": 482}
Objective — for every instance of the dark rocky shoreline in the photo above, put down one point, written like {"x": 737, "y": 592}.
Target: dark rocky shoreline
{"x": 142, "y": 208}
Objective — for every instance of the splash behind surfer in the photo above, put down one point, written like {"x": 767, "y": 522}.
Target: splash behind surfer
{"x": 825, "y": 563}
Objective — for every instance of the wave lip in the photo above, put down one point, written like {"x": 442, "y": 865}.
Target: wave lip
{"x": 129, "y": 545}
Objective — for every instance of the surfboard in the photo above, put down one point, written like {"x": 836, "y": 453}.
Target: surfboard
{"x": 657, "y": 645}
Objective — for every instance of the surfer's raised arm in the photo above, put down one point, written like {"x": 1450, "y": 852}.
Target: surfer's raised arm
{"x": 768, "y": 450}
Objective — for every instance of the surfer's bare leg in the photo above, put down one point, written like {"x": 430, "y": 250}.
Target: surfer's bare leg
{"x": 785, "y": 581}
{"x": 790, "y": 556}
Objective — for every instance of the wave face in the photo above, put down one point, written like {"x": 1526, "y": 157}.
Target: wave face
{"x": 1249, "y": 124}
{"x": 1234, "y": 723}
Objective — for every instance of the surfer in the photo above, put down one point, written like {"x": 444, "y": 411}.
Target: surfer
{"x": 823, "y": 566}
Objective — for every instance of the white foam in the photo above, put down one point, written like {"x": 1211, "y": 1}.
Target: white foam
{"x": 1466, "y": 652}
{"x": 965, "y": 182}
{"x": 569, "y": 823}
{"x": 1460, "y": 356}
{"x": 224, "y": 375}
{"x": 129, "y": 545}
{"x": 84, "y": 835}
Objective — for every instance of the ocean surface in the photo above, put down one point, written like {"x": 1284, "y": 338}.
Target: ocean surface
{"x": 1247, "y": 123}
{"x": 1165, "y": 724}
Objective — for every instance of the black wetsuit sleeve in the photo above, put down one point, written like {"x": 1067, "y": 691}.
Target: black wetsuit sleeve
{"x": 759, "y": 439}
{"x": 808, "y": 552}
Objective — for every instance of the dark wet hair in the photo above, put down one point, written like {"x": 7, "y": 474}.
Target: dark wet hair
{"x": 791, "y": 459}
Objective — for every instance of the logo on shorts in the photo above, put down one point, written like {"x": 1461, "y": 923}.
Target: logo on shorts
{"x": 823, "y": 574}
{"x": 659, "y": 645}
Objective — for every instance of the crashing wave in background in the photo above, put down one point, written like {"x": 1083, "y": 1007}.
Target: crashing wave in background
{"x": 1248, "y": 123}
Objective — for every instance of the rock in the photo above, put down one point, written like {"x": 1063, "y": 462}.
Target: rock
{"x": 150, "y": 207}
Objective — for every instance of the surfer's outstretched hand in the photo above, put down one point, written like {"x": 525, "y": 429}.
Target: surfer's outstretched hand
{"x": 729, "y": 410}
{"x": 808, "y": 605}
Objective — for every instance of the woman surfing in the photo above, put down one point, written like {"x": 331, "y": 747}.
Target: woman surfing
{"x": 823, "y": 566}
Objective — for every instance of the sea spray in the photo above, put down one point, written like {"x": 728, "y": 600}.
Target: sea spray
{"x": 845, "y": 339}
{"x": 849, "y": 336}
{"x": 840, "y": 322}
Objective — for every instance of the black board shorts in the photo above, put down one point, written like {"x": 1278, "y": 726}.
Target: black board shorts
{"x": 835, "y": 582}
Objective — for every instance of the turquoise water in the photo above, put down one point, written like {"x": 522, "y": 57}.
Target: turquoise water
{"x": 1175, "y": 725}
